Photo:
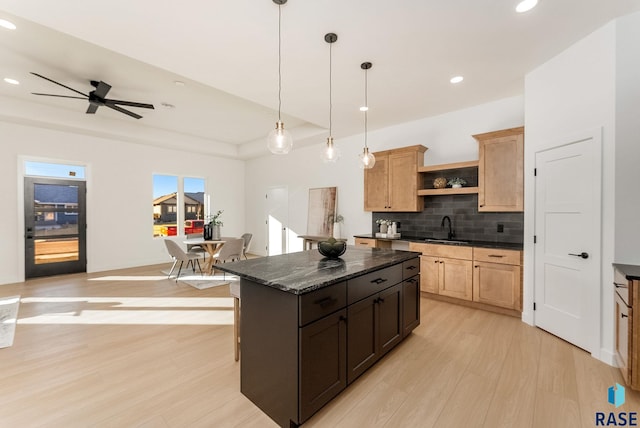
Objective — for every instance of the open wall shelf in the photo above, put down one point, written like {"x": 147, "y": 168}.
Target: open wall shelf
{"x": 467, "y": 170}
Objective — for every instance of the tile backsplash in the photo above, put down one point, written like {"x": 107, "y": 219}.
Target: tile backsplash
{"x": 466, "y": 221}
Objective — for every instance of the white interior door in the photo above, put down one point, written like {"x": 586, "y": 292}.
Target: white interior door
{"x": 567, "y": 249}
{"x": 277, "y": 220}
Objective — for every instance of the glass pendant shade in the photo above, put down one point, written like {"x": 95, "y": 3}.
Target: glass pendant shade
{"x": 330, "y": 152}
{"x": 367, "y": 159}
{"x": 279, "y": 140}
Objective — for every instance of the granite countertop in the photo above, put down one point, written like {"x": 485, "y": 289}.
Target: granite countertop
{"x": 631, "y": 272}
{"x": 467, "y": 243}
{"x": 305, "y": 271}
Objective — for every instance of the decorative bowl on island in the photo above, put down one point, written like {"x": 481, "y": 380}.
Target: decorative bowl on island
{"x": 332, "y": 248}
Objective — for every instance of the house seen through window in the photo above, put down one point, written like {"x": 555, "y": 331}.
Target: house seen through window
{"x": 178, "y": 211}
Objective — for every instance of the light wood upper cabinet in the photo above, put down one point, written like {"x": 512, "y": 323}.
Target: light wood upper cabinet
{"x": 393, "y": 183}
{"x": 501, "y": 170}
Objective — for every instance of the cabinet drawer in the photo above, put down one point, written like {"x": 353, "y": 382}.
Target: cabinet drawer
{"x": 365, "y": 242}
{"x": 436, "y": 250}
{"x": 366, "y": 285}
{"x": 322, "y": 302}
{"x": 497, "y": 255}
{"x": 410, "y": 268}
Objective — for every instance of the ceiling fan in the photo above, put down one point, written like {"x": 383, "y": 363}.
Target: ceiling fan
{"x": 97, "y": 97}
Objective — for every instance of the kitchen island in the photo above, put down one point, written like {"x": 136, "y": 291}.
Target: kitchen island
{"x": 310, "y": 325}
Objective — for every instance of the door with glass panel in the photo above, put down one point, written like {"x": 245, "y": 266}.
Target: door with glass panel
{"x": 55, "y": 227}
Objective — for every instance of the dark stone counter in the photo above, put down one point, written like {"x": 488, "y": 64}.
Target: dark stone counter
{"x": 631, "y": 272}
{"x": 424, "y": 240}
{"x": 305, "y": 271}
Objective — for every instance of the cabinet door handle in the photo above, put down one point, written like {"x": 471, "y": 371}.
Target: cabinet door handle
{"x": 326, "y": 302}
{"x": 624, "y": 316}
{"x": 379, "y": 280}
{"x": 496, "y": 255}
{"x": 476, "y": 266}
{"x": 342, "y": 318}
{"x": 436, "y": 261}
{"x": 411, "y": 267}
{"x": 441, "y": 261}
{"x": 412, "y": 280}
{"x": 617, "y": 285}
{"x": 380, "y": 300}
{"x": 583, "y": 255}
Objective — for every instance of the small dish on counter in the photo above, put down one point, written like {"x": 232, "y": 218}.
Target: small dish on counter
{"x": 332, "y": 248}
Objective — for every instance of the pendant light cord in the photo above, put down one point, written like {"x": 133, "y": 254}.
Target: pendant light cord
{"x": 366, "y": 104}
{"x": 330, "y": 88}
{"x": 279, "y": 61}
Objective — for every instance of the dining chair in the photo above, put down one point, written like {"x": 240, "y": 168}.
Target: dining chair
{"x": 196, "y": 248}
{"x": 230, "y": 251}
{"x": 179, "y": 255}
{"x": 246, "y": 237}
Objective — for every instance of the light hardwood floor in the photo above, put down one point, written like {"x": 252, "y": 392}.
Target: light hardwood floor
{"x": 130, "y": 348}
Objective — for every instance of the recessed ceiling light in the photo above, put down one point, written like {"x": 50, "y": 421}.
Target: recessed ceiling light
{"x": 364, "y": 108}
{"x": 526, "y": 5}
{"x": 456, "y": 79}
{"x": 6, "y": 24}
{"x": 178, "y": 83}
{"x": 12, "y": 81}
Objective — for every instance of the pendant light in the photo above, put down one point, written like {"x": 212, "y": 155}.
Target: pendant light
{"x": 367, "y": 159}
{"x": 330, "y": 152}
{"x": 279, "y": 140}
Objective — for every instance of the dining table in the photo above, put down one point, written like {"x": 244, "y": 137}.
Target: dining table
{"x": 211, "y": 246}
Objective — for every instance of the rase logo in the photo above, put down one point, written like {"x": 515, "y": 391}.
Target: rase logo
{"x": 615, "y": 396}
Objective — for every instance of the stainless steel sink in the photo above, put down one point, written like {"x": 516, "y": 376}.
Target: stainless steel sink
{"x": 446, "y": 241}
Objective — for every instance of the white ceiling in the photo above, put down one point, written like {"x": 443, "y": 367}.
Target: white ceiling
{"x": 226, "y": 54}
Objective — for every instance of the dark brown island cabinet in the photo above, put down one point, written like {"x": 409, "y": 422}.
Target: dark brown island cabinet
{"x": 310, "y": 326}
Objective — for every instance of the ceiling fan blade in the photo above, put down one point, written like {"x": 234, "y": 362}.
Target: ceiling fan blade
{"x": 59, "y": 96}
{"x": 57, "y": 83}
{"x": 92, "y": 108}
{"x": 101, "y": 88}
{"x": 129, "y": 103}
{"x": 121, "y": 110}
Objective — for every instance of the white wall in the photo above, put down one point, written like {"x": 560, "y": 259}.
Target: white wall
{"x": 627, "y": 158}
{"x": 447, "y": 136}
{"x": 119, "y": 193}
{"x": 593, "y": 84}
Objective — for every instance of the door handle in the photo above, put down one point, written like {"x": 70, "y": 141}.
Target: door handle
{"x": 582, "y": 254}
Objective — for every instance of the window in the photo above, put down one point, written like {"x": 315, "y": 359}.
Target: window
{"x": 172, "y": 205}
{"x": 194, "y": 204}
{"x": 165, "y": 200}
{"x": 44, "y": 169}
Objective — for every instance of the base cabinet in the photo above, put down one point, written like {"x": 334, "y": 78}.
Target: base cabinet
{"x": 627, "y": 323}
{"x": 374, "y": 328}
{"x": 456, "y": 278}
{"x": 486, "y": 276}
{"x": 323, "y": 357}
{"x": 300, "y": 351}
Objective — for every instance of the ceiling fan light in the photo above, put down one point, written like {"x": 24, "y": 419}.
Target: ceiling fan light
{"x": 367, "y": 159}
{"x": 526, "y": 5}
{"x": 279, "y": 140}
{"x": 6, "y": 24}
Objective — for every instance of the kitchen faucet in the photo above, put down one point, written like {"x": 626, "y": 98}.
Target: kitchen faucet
{"x": 451, "y": 233}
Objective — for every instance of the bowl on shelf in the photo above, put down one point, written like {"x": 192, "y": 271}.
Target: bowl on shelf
{"x": 332, "y": 248}
{"x": 440, "y": 183}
